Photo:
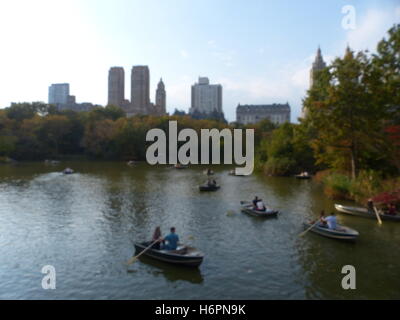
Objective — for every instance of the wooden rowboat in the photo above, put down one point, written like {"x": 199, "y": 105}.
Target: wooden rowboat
{"x": 183, "y": 256}
{"x": 363, "y": 212}
{"x": 269, "y": 213}
{"x": 340, "y": 233}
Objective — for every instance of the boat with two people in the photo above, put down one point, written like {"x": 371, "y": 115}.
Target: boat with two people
{"x": 210, "y": 186}
{"x": 340, "y": 233}
{"x": 256, "y": 208}
{"x": 169, "y": 250}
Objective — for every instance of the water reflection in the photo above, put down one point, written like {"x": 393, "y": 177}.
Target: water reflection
{"x": 170, "y": 272}
{"x": 86, "y": 225}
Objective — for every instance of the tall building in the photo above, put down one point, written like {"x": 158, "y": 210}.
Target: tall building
{"x": 116, "y": 87}
{"x": 140, "y": 89}
{"x": 161, "y": 97}
{"x": 206, "y": 98}
{"x": 59, "y": 93}
{"x": 251, "y": 114}
{"x": 318, "y": 65}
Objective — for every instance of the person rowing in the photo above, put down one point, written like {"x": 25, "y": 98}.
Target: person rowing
{"x": 255, "y": 201}
{"x": 258, "y": 204}
{"x": 331, "y": 221}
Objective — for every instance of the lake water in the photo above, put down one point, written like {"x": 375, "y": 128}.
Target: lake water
{"x": 85, "y": 225}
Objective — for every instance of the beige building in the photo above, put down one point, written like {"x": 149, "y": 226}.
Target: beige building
{"x": 251, "y": 114}
{"x": 140, "y": 89}
{"x": 116, "y": 87}
{"x": 140, "y": 92}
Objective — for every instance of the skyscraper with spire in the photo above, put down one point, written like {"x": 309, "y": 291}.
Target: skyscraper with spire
{"x": 161, "y": 97}
{"x": 318, "y": 65}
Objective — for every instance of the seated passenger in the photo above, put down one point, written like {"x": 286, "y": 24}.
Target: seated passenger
{"x": 172, "y": 240}
{"x": 261, "y": 206}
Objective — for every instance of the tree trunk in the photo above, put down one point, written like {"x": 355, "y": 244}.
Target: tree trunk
{"x": 353, "y": 162}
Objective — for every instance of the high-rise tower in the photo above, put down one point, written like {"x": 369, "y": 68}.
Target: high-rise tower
{"x": 206, "y": 98}
{"x": 318, "y": 65}
{"x": 140, "y": 89}
{"x": 116, "y": 86}
{"x": 161, "y": 97}
{"x": 59, "y": 93}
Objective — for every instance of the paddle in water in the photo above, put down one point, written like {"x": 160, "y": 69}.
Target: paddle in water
{"x": 377, "y": 215}
{"x": 303, "y": 233}
{"x": 134, "y": 259}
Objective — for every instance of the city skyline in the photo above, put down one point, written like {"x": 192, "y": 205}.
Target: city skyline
{"x": 260, "y": 53}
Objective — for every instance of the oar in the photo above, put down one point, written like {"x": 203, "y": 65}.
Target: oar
{"x": 377, "y": 215}
{"x": 133, "y": 259}
{"x": 246, "y": 203}
{"x": 303, "y": 233}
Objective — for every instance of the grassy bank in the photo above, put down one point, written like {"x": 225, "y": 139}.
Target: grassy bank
{"x": 340, "y": 186}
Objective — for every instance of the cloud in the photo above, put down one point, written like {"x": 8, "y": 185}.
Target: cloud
{"x": 371, "y": 28}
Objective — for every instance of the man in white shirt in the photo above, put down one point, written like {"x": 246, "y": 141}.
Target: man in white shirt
{"x": 260, "y": 206}
{"x": 331, "y": 221}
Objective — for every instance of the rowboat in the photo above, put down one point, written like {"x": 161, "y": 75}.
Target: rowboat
{"x": 209, "y": 188}
{"x": 68, "y": 171}
{"x": 363, "y": 212}
{"x": 269, "y": 213}
{"x": 183, "y": 256}
{"x": 181, "y": 166}
{"x": 340, "y": 233}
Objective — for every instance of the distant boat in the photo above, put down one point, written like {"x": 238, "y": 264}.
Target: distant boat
{"x": 68, "y": 171}
{"x": 340, "y": 233}
{"x": 363, "y": 212}
{"x": 131, "y": 163}
{"x": 209, "y": 188}
{"x": 208, "y": 172}
{"x": 183, "y": 256}
{"x": 303, "y": 176}
{"x": 181, "y": 166}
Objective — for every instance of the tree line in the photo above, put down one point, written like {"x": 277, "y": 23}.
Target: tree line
{"x": 351, "y": 127}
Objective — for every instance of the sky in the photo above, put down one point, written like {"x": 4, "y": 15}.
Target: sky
{"x": 260, "y": 51}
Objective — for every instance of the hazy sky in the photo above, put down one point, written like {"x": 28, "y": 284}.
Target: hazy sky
{"x": 259, "y": 50}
